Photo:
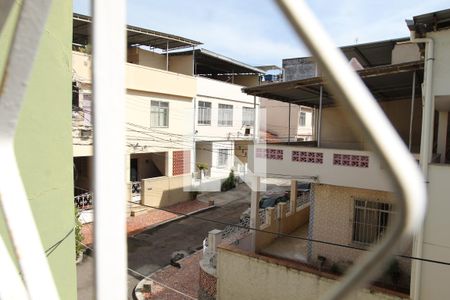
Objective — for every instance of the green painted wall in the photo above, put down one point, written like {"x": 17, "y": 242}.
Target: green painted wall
{"x": 44, "y": 140}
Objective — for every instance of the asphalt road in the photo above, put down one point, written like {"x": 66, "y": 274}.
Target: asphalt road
{"x": 151, "y": 249}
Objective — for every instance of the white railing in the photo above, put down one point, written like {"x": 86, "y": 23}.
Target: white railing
{"x": 83, "y": 201}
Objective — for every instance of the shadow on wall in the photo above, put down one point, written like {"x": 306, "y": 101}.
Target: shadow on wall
{"x": 165, "y": 191}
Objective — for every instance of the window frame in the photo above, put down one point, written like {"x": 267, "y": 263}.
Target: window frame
{"x": 202, "y": 111}
{"x": 158, "y": 112}
{"x": 361, "y": 230}
{"x": 220, "y": 153}
{"x": 223, "y": 111}
{"x": 250, "y": 111}
{"x": 302, "y": 119}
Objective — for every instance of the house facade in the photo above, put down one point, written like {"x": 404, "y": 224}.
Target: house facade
{"x": 315, "y": 237}
{"x": 159, "y": 104}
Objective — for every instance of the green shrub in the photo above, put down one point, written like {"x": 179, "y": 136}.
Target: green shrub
{"x": 229, "y": 183}
{"x": 79, "y": 248}
{"x": 202, "y": 166}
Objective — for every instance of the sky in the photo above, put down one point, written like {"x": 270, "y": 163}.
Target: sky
{"x": 255, "y": 31}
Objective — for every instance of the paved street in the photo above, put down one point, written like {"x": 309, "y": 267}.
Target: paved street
{"x": 151, "y": 249}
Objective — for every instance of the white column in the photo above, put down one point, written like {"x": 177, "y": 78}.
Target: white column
{"x": 442, "y": 135}
{"x": 254, "y": 208}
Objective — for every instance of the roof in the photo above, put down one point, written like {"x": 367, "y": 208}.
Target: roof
{"x": 434, "y": 21}
{"x": 208, "y": 62}
{"x": 371, "y": 54}
{"x": 135, "y": 35}
{"x": 386, "y": 83}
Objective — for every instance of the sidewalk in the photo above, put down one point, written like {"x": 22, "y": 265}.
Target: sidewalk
{"x": 150, "y": 218}
{"x": 176, "y": 284}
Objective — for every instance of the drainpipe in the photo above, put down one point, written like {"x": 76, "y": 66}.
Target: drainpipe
{"x": 425, "y": 152}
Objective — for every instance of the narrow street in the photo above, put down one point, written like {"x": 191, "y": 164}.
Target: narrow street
{"x": 151, "y": 250}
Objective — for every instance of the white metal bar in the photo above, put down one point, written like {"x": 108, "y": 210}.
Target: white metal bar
{"x": 23, "y": 231}
{"x": 349, "y": 89}
{"x": 413, "y": 98}
{"x": 12, "y": 286}
{"x": 319, "y": 121}
{"x": 109, "y": 46}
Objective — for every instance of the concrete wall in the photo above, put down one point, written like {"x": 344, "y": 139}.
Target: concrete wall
{"x": 246, "y": 80}
{"x": 181, "y": 64}
{"x": 43, "y": 141}
{"x": 441, "y": 67}
{"x": 372, "y": 176}
{"x": 279, "y": 220}
{"x": 242, "y": 275}
{"x": 277, "y": 119}
{"x": 436, "y": 238}
{"x": 219, "y": 92}
{"x": 146, "y": 58}
{"x": 337, "y": 131}
{"x": 141, "y": 78}
{"x": 164, "y": 191}
{"x": 405, "y": 53}
{"x": 333, "y": 222}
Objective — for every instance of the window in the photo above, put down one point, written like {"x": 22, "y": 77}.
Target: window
{"x": 223, "y": 157}
{"x": 370, "y": 221}
{"x": 204, "y": 113}
{"x": 302, "y": 119}
{"x": 248, "y": 117}
{"x": 225, "y": 115}
{"x": 159, "y": 116}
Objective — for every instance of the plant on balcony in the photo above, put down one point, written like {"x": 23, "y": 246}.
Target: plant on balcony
{"x": 202, "y": 166}
{"x": 79, "y": 248}
{"x": 229, "y": 183}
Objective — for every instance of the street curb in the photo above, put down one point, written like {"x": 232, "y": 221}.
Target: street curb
{"x": 135, "y": 232}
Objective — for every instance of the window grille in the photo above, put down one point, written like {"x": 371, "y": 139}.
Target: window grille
{"x": 225, "y": 115}
{"x": 248, "y": 116}
{"x": 204, "y": 113}
{"x": 159, "y": 114}
{"x": 370, "y": 221}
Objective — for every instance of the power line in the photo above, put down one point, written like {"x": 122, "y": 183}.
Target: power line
{"x": 52, "y": 248}
{"x": 287, "y": 235}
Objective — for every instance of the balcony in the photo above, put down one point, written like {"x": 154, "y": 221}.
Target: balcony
{"x": 349, "y": 168}
{"x": 141, "y": 78}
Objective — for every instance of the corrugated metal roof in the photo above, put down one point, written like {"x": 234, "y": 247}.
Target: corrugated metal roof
{"x": 208, "y": 62}
{"x": 385, "y": 82}
{"x": 135, "y": 35}
{"x": 434, "y": 21}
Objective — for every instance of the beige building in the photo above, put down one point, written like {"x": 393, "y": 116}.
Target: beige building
{"x": 351, "y": 199}
{"x": 182, "y": 108}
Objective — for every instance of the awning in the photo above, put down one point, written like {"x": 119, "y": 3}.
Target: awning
{"x": 211, "y": 63}
{"x": 135, "y": 36}
{"x": 387, "y": 83}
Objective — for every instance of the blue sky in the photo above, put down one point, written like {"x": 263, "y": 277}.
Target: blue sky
{"x": 255, "y": 32}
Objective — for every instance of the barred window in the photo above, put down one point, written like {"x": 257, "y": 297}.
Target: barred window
{"x": 370, "y": 221}
{"x": 223, "y": 157}
{"x": 248, "y": 116}
{"x": 159, "y": 116}
{"x": 225, "y": 115}
{"x": 204, "y": 113}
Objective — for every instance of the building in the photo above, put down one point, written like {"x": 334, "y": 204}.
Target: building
{"x": 159, "y": 98}
{"x": 350, "y": 200}
{"x": 43, "y": 143}
{"x": 224, "y": 116}
{"x": 184, "y": 108}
